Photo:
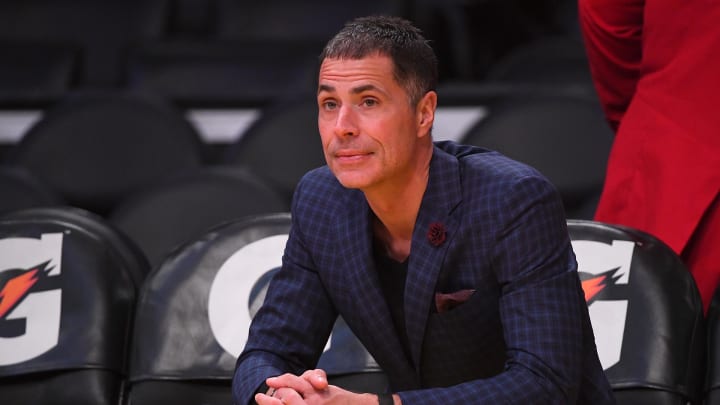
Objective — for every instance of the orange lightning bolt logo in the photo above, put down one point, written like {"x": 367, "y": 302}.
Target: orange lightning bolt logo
{"x": 18, "y": 287}
{"x": 594, "y": 285}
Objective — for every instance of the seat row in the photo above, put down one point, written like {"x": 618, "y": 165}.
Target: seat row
{"x": 84, "y": 318}
{"x": 231, "y": 49}
{"x": 96, "y": 149}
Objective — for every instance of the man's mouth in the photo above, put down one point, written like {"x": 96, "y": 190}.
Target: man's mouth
{"x": 351, "y": 155}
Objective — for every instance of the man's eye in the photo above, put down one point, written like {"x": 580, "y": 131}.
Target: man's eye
{"x": 329, "y": 105}
{"x": 369, "y": 102}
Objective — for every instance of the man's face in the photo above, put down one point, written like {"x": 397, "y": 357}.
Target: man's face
{"x": 370, "y": 132}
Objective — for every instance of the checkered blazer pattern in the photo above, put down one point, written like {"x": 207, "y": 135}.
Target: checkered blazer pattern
{"x": 524, "y": 336}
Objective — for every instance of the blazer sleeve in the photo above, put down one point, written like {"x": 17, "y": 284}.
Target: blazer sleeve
{"x": 289, "y": 332}
{"x": 542, "y": 307}
{"x": 612, "y": 30}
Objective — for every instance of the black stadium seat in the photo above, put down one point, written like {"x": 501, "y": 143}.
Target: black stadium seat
{"x": 183, "y": 208}
{"x": 20, "y": 189}
{"x": 94, "y": 32}
{"x": 96, "y": 147}
{"x": 194, "y": 312}
{"x": 68, "y": 283}
{"x": 563, "y": 135}
{"x": 238, "y": 73}
{"x": 36, "y": 73}
{"x": 290, "y": 20}
{"x": 282, "y": 145}
{"x": 242, "y": 53}
{"x": 552, "y": 60}
{"x": 646, "y": 314}
{"x": 712, "y": 382}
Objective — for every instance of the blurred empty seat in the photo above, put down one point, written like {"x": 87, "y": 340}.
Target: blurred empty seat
{"x": 253, "y": 53}
{"x": 646, "y": 314}
{"x": 191, "y": 17}
{"x": 289, "y": 20}
{"x": 194, "y": 313}
{"x": 20, "y": 189}
{"x": 68, "y": 286}
{"x": 169, "y": 214}
{"x": 95, "y": 149}
{"x": 36, "y": 73}
{"x": 100, "y": 29}
{"x": 712, "y": 382}
{"x": 282, "y": 145}
{"x": 565, "y": 18}
{"x": 469, "y": 36}
{"x": 547, "y": 61}
{"x": 564, "y": 136}
{"x": 194, "y": 72}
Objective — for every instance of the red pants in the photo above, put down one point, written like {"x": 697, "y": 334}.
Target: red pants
{"x": 702, "y": 253}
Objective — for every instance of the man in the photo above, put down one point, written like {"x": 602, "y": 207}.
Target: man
{"x": 451, "y": 264}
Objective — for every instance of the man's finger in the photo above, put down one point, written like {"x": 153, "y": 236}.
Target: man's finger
{"x": 286, "y": 380}
{"x": 294, "y": 382}
{"x": 263, "y": 399}
{"x": 288, "y": 396}
{"x": 317, "y": 378}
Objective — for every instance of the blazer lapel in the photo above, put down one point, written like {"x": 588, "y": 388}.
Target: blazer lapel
{"x": 442, "y": 195}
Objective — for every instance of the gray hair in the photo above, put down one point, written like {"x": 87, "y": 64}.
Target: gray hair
{"x": 415, "y": 63}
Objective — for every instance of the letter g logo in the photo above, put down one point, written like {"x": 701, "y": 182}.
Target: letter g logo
{"x": 29, "y": 319}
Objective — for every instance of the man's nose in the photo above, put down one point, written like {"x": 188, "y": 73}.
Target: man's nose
{"x": 346, "y": 122}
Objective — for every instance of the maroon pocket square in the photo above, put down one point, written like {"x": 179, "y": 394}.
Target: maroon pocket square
{"x": 447, "y": 301}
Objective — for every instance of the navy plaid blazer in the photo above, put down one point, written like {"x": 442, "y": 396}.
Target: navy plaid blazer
{"x": 524, "y": 336}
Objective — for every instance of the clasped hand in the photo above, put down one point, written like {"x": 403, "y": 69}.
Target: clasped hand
{"x": 310, "y": 388}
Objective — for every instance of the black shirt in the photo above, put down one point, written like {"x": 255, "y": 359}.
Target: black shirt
{"x": 392, "y": 275}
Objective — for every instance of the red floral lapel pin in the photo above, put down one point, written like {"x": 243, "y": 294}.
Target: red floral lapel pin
{"x": 436, "y": 233}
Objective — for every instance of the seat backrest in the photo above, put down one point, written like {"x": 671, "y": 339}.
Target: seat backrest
{"x": 550, "y": 60}
{"x": 645, "y": 311}
{"x": 562, "y": 135}
{"x": 712, "y": 382}
{"x": 181, "y": 209}
{"x": 194, "y": 313}
{"x": 99, "y": 29}
{"x": 20, "y": 189}
{"x": 237, "y": 73}
{"x": 469, "y": 36}
{"x": 95, "y": 148}
{"x": 36, "y": 73}
{"x": 282, "y": 145}
{"x": 290, "y": 20}
{"x": 68, "y": 285}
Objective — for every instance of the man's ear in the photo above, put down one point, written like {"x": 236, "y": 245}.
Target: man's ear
{"x": 426, "y": 112}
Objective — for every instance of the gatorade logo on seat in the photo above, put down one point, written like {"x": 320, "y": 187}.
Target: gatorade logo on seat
{"x": 242, "y": 283}
{"x": 605, "y": 273}
{"x": 231, "y": 288}
{"x": 30, "y": 307}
